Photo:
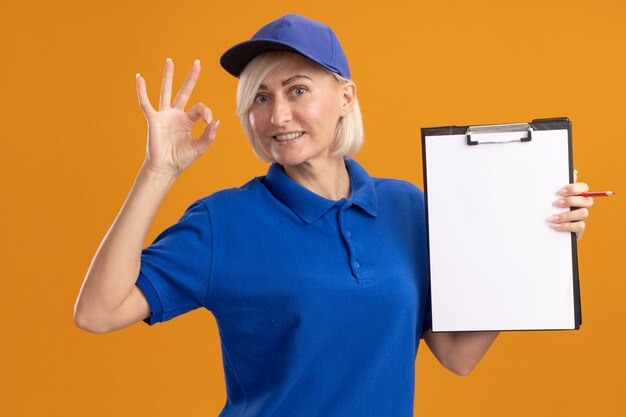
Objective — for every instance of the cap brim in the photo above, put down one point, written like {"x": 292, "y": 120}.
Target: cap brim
{"x": 235, "y": 59}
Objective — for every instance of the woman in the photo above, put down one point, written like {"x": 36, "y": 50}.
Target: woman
{"x": 316, "y": 272}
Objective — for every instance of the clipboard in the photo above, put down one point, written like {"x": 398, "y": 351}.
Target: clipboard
{"x": 494, "y": 262}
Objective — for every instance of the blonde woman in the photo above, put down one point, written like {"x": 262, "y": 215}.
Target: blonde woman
{"x": 316, "y": 273}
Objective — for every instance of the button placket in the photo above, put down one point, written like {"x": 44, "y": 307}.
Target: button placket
{"x": 347, "y": 235}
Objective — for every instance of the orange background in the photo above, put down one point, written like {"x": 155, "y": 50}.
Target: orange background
{"x": 73, "y": 138}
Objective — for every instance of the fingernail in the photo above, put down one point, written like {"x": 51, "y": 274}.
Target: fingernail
{"x": 554, "y": 218}
{"x": 137, "y": 75}
{"x": 168, "y": 59}
{"x": 217, "y": 123}
{"x": 197, "y": 61}
{"x": 562, "y": 191}
{"x": 556, "y": 226}
{"x": 559, "y": 202}
{"x": 214, "y": 128}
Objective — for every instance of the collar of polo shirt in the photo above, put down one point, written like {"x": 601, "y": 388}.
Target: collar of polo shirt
{"x": 309, "y": 206}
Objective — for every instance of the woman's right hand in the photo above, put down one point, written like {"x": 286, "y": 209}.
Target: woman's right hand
{"x": 170, "y": 148}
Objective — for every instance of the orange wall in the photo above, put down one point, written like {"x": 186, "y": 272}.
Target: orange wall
{"x": 73, "y": 138}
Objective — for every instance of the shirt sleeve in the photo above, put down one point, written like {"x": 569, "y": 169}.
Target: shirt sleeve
{"x": 175, "y": 268}
{"x": 427, "y": 320}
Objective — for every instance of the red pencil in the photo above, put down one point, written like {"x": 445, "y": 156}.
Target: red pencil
{"x": 596, "y": 194}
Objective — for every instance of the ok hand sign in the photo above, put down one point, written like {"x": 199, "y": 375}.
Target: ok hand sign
{"x": 170, "y": 147}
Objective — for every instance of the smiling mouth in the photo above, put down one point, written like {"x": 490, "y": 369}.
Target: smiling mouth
{"x": 288, "y": 136}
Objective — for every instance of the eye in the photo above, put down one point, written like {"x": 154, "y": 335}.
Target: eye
{"x": 261, "y": 98}
{"x": 298, "y": 91}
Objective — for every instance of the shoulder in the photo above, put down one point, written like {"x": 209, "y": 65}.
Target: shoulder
{"x": 233, "y": 203}
{"x": 250, "y": 194}
{"x": 400, "y": 199}
{"x": 390, "y": 187}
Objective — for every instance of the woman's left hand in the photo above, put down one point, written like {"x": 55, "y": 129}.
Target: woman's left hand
{"x": 574, "y": 220}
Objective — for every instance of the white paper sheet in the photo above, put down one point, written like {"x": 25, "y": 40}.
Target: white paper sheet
{"x": 495, "y": 262}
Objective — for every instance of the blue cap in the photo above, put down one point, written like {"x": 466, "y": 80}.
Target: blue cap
{"x": 294, "y": 33}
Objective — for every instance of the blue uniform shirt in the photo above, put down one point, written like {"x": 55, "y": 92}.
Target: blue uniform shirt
{"x": 320, "y": 304}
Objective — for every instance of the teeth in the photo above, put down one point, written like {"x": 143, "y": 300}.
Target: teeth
{"x": 289, "y": 136}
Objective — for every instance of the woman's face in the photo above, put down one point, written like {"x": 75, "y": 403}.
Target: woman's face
{"x": 296, "y": 110}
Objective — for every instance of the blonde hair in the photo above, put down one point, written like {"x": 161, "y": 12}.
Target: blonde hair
{"x": 349, "y": 132}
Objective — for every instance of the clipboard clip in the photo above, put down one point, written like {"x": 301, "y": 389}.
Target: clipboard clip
{"x": 477, "y": 135}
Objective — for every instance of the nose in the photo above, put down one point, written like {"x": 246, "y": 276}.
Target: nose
{"x": 281, "y": 112}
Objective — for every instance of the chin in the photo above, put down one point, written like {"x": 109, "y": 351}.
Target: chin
{"x": 285, "y": 158}
{"x": 289, "y": 161}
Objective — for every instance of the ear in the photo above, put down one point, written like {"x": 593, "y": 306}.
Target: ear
{"x": 347, "y": 95}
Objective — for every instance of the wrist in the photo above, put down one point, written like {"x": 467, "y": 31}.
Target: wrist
{"x": 160, "y": 175}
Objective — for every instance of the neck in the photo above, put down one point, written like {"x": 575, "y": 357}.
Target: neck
{"x": 329, "y": 179}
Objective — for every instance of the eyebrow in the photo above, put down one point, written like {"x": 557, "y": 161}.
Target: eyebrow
{"x": 287, "y": 81}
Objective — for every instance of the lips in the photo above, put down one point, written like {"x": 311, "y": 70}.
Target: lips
{"x": 288, "y": 136}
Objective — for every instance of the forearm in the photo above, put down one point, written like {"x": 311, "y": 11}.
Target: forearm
{"x": 116, "y": 264}
{"x": 469, "y": 347}
{"x": 460, "y": 352}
